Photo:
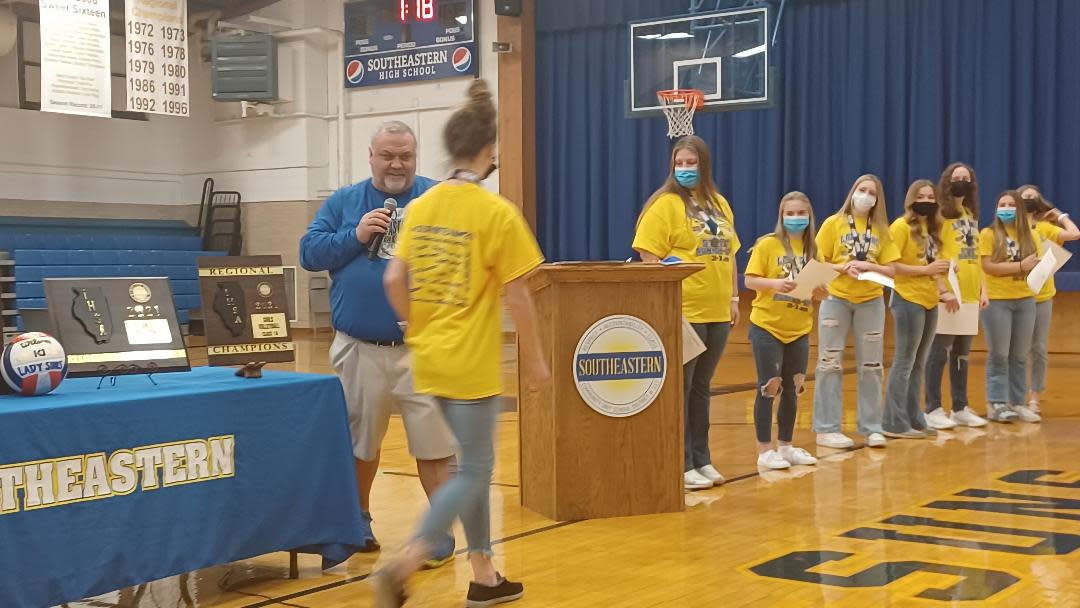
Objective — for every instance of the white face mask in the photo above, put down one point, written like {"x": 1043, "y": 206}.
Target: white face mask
{"x": 863, "y": 201}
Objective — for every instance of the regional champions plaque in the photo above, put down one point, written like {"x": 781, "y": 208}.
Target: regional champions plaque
{"x": 244, "y": 309}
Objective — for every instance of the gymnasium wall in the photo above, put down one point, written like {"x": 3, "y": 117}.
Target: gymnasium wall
{"x": 289, "y": 156}
{"x": 896, "y": 88}
{"x": 284, "y": 165}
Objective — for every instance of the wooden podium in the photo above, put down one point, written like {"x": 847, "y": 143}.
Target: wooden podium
{"x": 578, "y": 463}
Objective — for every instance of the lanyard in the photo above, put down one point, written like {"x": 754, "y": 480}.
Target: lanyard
{"x": 797, "y": 263}
{"x": 465, "y": 175}
{"x": 931, "y": 248}
{"x": 967, "y": 231}
{"x": 708, "y": 218}
{"x": 1013, "y": 249}
{"x": 860, "y": 247}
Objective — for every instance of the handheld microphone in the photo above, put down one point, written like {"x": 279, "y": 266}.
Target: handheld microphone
{"x": 376, "y": 243}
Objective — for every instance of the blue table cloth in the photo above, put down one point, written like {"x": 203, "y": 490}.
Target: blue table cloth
{"x": 105, "y": 488}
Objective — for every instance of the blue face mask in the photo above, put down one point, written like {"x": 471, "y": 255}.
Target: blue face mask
{"x": 796, "y": 224}
{"x": 687, "y": 178}
{"x": 1006, "y": 215}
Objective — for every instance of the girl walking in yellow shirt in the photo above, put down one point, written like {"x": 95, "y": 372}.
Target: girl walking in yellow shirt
{"x": 459, "y": 249}
{"x": 688, "y": 219}
{"x": 780, "y": 328}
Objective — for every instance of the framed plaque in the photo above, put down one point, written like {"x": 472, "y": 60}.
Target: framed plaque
{"x": 114, "y": 326}
{"x": 245, "y": 310}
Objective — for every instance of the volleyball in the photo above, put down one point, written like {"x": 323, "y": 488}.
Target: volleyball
{"x": 33, "y": 364}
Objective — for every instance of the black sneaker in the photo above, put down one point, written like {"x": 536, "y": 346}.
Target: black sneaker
{"x": 481, "y": 596}
{"x": 371, "y": 545}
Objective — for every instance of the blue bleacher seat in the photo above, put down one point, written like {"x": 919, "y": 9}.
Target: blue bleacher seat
{"x": 15, "y": 240}
{"x": 71, "y": 247}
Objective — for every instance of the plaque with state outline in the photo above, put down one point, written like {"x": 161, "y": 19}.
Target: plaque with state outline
{"x": 245, "y": 310}
{"x": 113, "y": 326}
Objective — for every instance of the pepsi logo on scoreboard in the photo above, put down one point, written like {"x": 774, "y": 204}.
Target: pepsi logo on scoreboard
{"x": 401, "y": 41}
{"x": 354, "y": 71}
{"x": 462, "y": 59}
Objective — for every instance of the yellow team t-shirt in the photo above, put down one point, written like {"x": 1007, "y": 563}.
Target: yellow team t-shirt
{"x": 462, "y": 244}
{"x": 836, "y": 245}
{"x": 963, "y": 235}
{"x": 667, "y": 229}
{"x": 786, "y": 318}
{"x": 1010, "y": 287}
{"x": 921, "y": 290}
{"x": 1049, "y": 233}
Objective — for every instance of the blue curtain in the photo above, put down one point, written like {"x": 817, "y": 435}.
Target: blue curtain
{"x": 896, "y": 88}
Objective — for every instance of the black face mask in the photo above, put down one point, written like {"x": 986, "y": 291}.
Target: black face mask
{"x": 960, "y": 188}
{"x": 1032, "y": 204}
{"x": 489, "y": 171}
{"x": 925, "y": 208}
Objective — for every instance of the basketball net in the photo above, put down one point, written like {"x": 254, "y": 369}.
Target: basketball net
{"x": 679, "y": 106}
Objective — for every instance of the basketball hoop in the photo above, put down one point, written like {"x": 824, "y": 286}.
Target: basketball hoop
{"x": 679, "y": 106}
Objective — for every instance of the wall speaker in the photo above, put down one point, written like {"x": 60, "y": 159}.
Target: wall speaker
{"x": 508, "y": 8}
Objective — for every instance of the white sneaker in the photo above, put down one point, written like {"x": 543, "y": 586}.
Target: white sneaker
{"x": 692, "y": 480}
{"x": 772, "y": 460}
{"x": 999, "y": 412}
{"x": 1025, "y": 414}
{"x": 875, "y": 440}
{"x": 709, "y": 472}
{"x": 796, "y": 456}
{"x": 839, "y": 441}
{"x": 938, "y": 419}
{"x": 967, "y": 417}
{"x": 1034, "y": 406}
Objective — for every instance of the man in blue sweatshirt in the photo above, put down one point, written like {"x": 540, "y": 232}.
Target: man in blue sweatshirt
{"x": 369, "y": 348}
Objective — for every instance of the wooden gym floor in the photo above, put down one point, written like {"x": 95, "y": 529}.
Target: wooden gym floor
{"x": 975, "y": 517}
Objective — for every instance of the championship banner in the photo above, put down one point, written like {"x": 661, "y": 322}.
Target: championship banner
{"x": 157, "y": 57}
{"x": 245, "y": 310}
{"x": 399, "y": 41}
{"x": 75, "y": 71}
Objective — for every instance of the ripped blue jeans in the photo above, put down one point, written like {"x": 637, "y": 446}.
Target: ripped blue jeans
{"x": 836, "y": 317}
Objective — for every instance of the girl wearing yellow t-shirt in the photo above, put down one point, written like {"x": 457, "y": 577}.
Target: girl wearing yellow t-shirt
{"x": 854, "y": 241}
{"x": 920, "y": 284}
{"x": 460, "y": 248}
{"x": 1052, "y": 226}
{"x": 780, "y": 328}
{"x": 688, "y": 219}
{"x": 1009, "y": 248}
{"x": 959, "y": 206}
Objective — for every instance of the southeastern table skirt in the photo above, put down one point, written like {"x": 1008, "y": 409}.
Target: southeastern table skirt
{"x": 105, "y": 488}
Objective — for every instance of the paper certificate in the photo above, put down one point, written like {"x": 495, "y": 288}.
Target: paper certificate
{"x": 1046, "y": 268}
{"x": 877, "y": 277}
{"x": 692, "y": 346}
{"x": 813, "y": 275}
{"x": 1061, "y": 254}
{"x": 954, "y": 282}
{"x": 964, "y": 322}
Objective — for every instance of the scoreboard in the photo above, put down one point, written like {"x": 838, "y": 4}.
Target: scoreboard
{"x": 396, "y": 41}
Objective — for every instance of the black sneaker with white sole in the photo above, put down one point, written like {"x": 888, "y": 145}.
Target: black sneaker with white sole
{"x": 481, "y": 596}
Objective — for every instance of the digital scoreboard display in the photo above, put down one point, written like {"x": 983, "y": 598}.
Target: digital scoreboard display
{"x": 396, "y": 41}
